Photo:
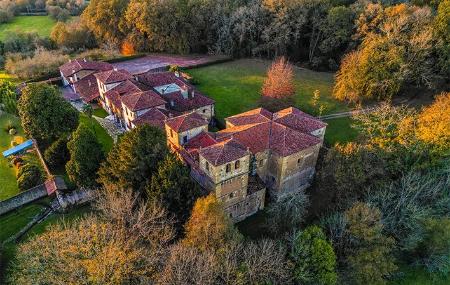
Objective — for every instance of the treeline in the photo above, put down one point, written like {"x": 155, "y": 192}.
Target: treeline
{"x": 318, "y": 32}
{"x": 60, "y": 10}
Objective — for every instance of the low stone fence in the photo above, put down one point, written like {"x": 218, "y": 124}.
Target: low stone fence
{"x": 23, "y": 198}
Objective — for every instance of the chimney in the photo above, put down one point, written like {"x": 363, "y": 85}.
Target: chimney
{"x": 89, "y": 83}
{"x": 115, "y": 68}
{"x": 84, "y": 59}
{"x": 192, "y": 93}
{"x": 172, "y": 103}
{"x": 177, "y": 74}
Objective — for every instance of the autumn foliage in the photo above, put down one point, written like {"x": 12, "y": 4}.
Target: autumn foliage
{"x": 127, "y": 48}
{"x": 279, "y": 83}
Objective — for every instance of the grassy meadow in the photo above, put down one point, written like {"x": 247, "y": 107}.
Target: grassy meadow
{"x": 236, "y": 85}
{"x": 42, "y": 25}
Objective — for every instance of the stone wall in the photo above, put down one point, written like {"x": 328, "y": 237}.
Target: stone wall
{"x": 23, "y": 198}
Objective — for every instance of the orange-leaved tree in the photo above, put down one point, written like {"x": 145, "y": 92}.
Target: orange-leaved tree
{"x": 279, "y": 82}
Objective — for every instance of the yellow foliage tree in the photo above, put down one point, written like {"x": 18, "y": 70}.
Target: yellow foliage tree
{"x": 433, "y": 125}
{"x": 209, "y": 227}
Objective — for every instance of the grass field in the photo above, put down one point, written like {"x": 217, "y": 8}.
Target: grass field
{"x": 42, "y": 25}
{"x": 236, "y": 85}
{"x": 8, "y": 182}
{"x": 105, "y": 140}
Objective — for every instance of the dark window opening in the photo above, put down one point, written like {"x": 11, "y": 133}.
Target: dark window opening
{"x": 185, "y": 139}
{"x": 228, "y": 168}
{"x": 237, "y": 164}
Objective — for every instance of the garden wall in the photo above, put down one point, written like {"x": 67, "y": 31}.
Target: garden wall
{"x": 23, "y": 198}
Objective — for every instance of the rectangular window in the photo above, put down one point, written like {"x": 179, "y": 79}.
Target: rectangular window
{"x": 185, "y": 139}
{"x": 204, "y": 110}
{"x": 171, "y": 133}
{"x": 207, "y": 166}
{"x": 228, "y": 168}
{"x": 237, "y": 164}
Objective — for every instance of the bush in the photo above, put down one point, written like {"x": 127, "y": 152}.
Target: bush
{"x": 73, "y": 36}
{"x": 43, "y": 63}
{"x": 29, "y": 175}
{"x": 59, "y": 14}
{"x": 57, "y": 154}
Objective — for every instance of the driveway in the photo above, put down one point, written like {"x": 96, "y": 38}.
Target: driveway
{"x": 161, "y": 61}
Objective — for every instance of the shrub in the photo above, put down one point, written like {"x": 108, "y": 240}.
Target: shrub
{"x": 29, "y": 175}
{"x": 59, "y": 14}
{"x": 43, "y": 63}
{"x": 72, "y": 36}
{"x": 57, "y": 154}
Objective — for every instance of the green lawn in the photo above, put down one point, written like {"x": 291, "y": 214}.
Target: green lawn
{"x": 42, "y": 25}
{"x": 236, "y": 85}
{"x": 8, "y": 180}
{"x": 100, "y": 112}
{"x": 102, "y": 136}
{"x": 339, "y": 130}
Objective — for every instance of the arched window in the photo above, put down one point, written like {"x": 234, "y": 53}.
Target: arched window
{"x": 228, "y": 168}
{"x": 237, "y": 164}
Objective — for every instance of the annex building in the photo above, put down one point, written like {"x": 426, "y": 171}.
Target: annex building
{"x": 259, "y": 153}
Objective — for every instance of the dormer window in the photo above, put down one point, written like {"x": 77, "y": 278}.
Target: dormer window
{"x": 237, "y": 164}
{"x": 228, "y": 168}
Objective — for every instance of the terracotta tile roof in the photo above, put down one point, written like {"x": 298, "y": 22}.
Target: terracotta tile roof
{"x": 254, "y": 136}
{"x": 142, "y": 100}
{"x": 114, "y": 97}
{"x": 113, "y": 76}
{"x": 73, "y": 66}
{"x": 154, "y": 117}
{"x": 298, "y": 120}
{"x": 179, "y": 103}
{"x": 285, "y": 141}
{"x": 155, "y": 79}
{"x": 259, "y": 115}
{"x": 87, "y": 88}
{"x": 186, "y": 122}
{"x": 223, "y": 152}
{"x": 201, "y": 140}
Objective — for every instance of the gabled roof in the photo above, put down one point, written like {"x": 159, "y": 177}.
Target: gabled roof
{"x": 113, "y": 76}
{"x": 73, "y": 66}
{"x": 142, "y": 100}
{"x": 155, "y": 79}
{"x": 153, "y": 117}
{"x": 202, "y": 140}
{"x": 114, "y": 97}
{"x": 181, "y": 104}
{"x": 186, "y": 122}
{"x": 298, "y": 120}
{"x": 223, "y": 152}
{"x": 87, "y": 88}
{"x": 259, "y": 115}
{"x": 285, "y": 141}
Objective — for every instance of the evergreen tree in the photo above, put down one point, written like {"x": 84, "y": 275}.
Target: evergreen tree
{"x": 86, "y": 154}
{"x": 314, "y": 258}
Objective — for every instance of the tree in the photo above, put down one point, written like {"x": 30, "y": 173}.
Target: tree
{"x": 45, "y": 115}
{"x": 173, "y": 187}
{"x": 132, "y": 162}
{"x": 433, "y": 124}
{"x": 8, "y": 97}
{"x": 73, "y": 36}
{"x": 125, "y": 244}
{"x": 100, "y": 15}
{"x": 86, "y": 154}
{"x": 209, "y": 227}
{"x": 371, "y": 261}
{"x": 279, "y": 83}
{"x": 57, "y": 154}
{"x": 29, "y": 176}
{"x": 288, "y": 213}
{"x": 397, "y": 48}
{"x": 442, "y": 32}
{"x": 314, "y": 258}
